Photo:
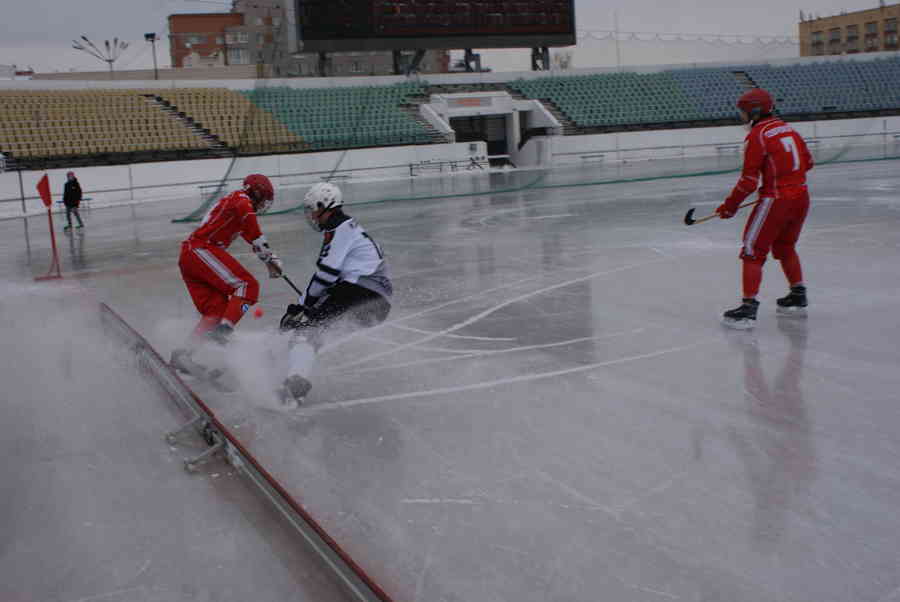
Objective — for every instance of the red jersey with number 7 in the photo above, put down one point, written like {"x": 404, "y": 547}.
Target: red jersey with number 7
{"x": 774, "y": 151}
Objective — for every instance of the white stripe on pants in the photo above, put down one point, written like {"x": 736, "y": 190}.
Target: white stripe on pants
{"x": 222, "y": 271}
{"x": 756, "y": 225}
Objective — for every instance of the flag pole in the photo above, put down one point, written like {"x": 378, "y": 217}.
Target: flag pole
{"x": 43, "y": 188}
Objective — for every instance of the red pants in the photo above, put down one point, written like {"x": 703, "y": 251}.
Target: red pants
{"x": 212, "y": 276}
{"x": 775, "y": 225}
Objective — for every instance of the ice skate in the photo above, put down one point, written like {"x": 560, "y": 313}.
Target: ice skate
{"x": 794, "y": 303}
{"x": 293, "y": 391}
{"x": 182, "y": 361}
{"x": 743, "y": 317}
{"x": 221, "y": 334}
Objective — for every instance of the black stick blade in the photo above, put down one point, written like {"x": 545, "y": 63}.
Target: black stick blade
{"x": 689, "y": 218}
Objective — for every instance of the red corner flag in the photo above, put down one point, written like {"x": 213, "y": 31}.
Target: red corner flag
{"x": 43, "y": 189}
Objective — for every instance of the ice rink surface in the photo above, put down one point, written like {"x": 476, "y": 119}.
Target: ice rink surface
{"x": 552, "y": 411}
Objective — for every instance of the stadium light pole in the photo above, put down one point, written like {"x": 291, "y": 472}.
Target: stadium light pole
{"x": 109, "y": 55}
{"x": 151, "y": 37}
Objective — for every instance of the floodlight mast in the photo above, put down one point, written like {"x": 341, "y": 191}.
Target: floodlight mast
{"x": 111, "y": 53}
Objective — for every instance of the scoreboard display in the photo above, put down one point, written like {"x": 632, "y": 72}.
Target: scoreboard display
{"x": 360, "y": 25}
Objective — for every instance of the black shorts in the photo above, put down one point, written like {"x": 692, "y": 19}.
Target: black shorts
{"x": 351, "y": 302}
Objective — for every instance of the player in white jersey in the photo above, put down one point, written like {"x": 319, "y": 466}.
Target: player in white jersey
{"x": 351, "y": 284}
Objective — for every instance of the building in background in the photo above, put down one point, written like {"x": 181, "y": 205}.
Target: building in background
{"x": 200, "y": 39}
{"x": 872, "y": 30}
{"x": 262, "y": 32}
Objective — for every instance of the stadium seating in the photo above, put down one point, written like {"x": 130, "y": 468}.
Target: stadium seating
{"x": 617, "y": 100}
{"x": 712, "y": 91}
{"x": 614, "y": 99}
{"x": 114, "y": 125}
{"x": 335, "y": 118}
{"x": 835, "y": 86}
{"x": 233, "y": 119}
{"x": 62, "y": 123}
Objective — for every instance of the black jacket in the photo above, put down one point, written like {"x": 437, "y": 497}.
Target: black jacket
{"x": 72, "y": 193}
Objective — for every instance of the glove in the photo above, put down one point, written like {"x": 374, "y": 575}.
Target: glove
{"x": 725, "y": 211}
{"x": 262, "y": 249}
{"x": 275, "y": 266}
{"x": 294, "y": 317}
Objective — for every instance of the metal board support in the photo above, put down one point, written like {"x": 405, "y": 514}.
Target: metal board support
{"x": 356, "y": 582}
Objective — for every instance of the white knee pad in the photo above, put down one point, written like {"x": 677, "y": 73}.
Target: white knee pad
{"x": 301, "y": 357}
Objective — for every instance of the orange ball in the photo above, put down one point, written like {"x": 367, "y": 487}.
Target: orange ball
{"x": 258, "y": 313}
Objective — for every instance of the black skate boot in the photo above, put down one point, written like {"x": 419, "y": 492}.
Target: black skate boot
{"x": 743, "y": 317}
{"x": 221, "y": 334}
{"x": 794, "y": 304}
{"x": 182, "y": 361}
{"x": 294, "y": 390}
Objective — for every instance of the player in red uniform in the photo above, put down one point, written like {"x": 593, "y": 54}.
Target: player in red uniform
{"x": 221, "y": 288}
{"x": 775, "y": 151}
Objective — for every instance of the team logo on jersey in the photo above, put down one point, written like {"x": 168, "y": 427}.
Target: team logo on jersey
{"x": 245, "y": 308}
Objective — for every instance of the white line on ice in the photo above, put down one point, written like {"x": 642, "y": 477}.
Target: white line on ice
{"x": 648, "y": 590}
{"x": 429, "y": 310}
{"x": 435, "y": 500}
{"x": 550, "y": 216}
{"x": 111, "y": 594}
{"x": 496, "y": 383}
{"x": 422, "y": 347}
{"x": 572, "y": 491}
{"x": 483, "y": 501}
{"x": 499, "y": 351}
{"x": 499, "y": 306}
{"x": 453, "y": 336}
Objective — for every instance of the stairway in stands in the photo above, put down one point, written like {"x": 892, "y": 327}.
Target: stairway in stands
{"x": 748, "y": 84}
{"x": 569, "y": 127}
{"x": 744, "y": 79}
{"x": 217, "y": 147}
{"x": 411, "y": 108}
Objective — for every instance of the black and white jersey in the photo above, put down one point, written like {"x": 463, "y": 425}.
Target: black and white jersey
{"x": 348, "y": 255}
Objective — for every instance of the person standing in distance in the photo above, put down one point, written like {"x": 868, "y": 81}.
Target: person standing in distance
{"x": 221, "y": 288}
{"x": 351, "y": 284}
{"x": 72, "y": 199}
{"x": 776, "y": 153}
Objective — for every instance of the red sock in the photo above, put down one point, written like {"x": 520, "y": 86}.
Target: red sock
{"x": 205, "y": 324}
{"x": 237, "y": 307}
{"x": 792, "y": 270}
{"x": 752, "y": 276}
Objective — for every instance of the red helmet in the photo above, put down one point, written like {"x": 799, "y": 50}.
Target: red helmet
{"x": 259, "y": 187}
{"x": 756, "y": 103}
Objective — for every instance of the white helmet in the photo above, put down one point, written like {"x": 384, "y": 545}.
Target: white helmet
{"x": 321, "y": 197}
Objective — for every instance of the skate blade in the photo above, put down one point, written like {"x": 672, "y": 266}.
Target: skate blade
{"x": 194, "y": 372}
{"x": 791, "y": 312}
{"x": 287, "y": 401}
{"x": 214, "y": 379}
{"x": 738, "y": 324}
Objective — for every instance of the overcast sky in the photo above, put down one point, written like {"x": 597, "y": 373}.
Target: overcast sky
{"x": 39, "y": 32}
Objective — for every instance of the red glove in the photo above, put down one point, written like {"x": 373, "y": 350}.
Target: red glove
{"x": 725, "y": 211}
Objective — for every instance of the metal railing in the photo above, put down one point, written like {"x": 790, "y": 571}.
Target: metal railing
{"x": 221, "y": 441}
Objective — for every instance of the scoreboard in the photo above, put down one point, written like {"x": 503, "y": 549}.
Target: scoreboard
{"x": 360, "y": 25}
